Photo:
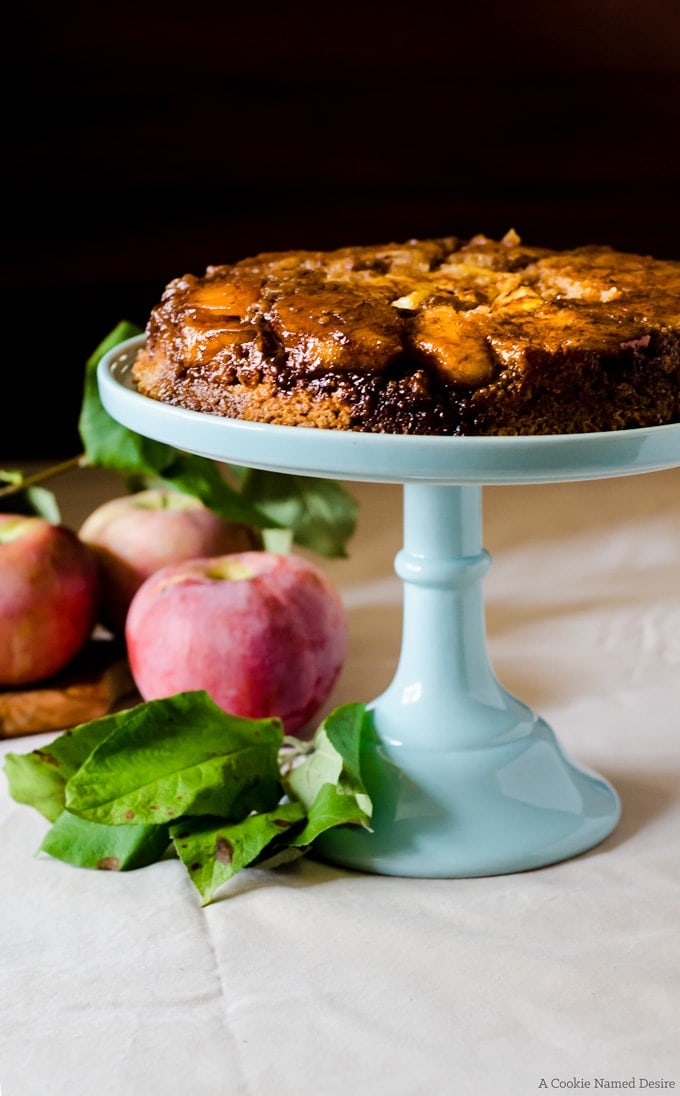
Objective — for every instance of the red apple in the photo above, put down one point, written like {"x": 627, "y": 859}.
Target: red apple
{"x": 49, "y": 594}
{"x": 137, "y": 534}
{"x": 264, "y": 633}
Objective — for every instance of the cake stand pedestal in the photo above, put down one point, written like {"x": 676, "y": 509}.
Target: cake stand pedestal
{"x": 466, "y": 780}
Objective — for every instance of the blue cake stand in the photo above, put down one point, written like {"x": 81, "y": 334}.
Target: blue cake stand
{"x": 466, "y": 780}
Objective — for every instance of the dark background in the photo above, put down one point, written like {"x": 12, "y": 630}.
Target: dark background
{"x": 144, "y": 141}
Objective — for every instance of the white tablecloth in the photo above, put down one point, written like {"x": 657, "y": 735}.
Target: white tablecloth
{"x": 316, "y": 981}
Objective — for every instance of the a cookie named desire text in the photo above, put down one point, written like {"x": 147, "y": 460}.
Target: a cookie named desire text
{"x": 650, "y": 1084}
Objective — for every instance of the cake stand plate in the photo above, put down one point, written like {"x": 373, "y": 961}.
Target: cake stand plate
{"x": 466, "y": 780}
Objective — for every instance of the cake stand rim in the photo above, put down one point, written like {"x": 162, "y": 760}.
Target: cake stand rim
{"x": 378, "y": 457}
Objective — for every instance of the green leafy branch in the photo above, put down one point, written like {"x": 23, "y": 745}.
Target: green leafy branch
{"x": 182, "y": 775}
{"x": 320, "y": 513}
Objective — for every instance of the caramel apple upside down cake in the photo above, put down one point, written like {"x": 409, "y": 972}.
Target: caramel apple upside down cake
{"x": 441, "y": 336}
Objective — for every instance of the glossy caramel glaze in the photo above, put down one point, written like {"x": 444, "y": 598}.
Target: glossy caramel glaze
{"x": 438, "y": 336}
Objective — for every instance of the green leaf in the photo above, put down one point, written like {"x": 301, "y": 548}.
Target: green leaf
{"x": 321, "y": 512}
{"x": 343, "y": 729}
{"x": 334, "y": 761}
{"x": 322, "y": 765}
{"x": 279, "y": 541}
{"x": 34, "y": 782}
{"x": 39, "y": 778}
{"x": 212, "y": 851}
{"x": 31, "y": 500}
{"x": 179, "y": 756}
{"x": 11, "y": 476}
{"x": 140, "y": 460}
{"x": 326, "y": 791}
{"x": 43, "y": 502}
{"x": 88, "y": 844}
{"x": 331, "y": 807}
{"x": 108, "y": 444}
{"x": 198, "y": 476}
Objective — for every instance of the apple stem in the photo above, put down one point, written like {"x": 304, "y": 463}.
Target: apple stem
{"x": 292, "y": 749}
{"x": 46, "y": 473}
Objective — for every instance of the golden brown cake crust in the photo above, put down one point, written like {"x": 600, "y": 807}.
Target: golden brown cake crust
{"x": 442, "y": 336}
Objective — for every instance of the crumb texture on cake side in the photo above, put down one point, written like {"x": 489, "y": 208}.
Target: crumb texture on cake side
{"x": 441, "y": 336}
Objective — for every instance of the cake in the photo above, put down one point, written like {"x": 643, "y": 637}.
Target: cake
{"x": 439, "y": 336}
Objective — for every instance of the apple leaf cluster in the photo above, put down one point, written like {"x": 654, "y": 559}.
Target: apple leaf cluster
{"x": 321, "y": 513}
{"x": 182, "y": 775}
{"x": 318, "y": 514}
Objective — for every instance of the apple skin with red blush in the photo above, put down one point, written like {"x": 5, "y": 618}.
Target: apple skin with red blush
{"x": 135, "y": 535}
{"x": 265, "y": 634}
{"x": 49, "y": 598}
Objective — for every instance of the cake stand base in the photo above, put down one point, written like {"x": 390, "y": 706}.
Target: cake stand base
{"x": 466, "y": 813}
{"x": 465, "y": 779}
